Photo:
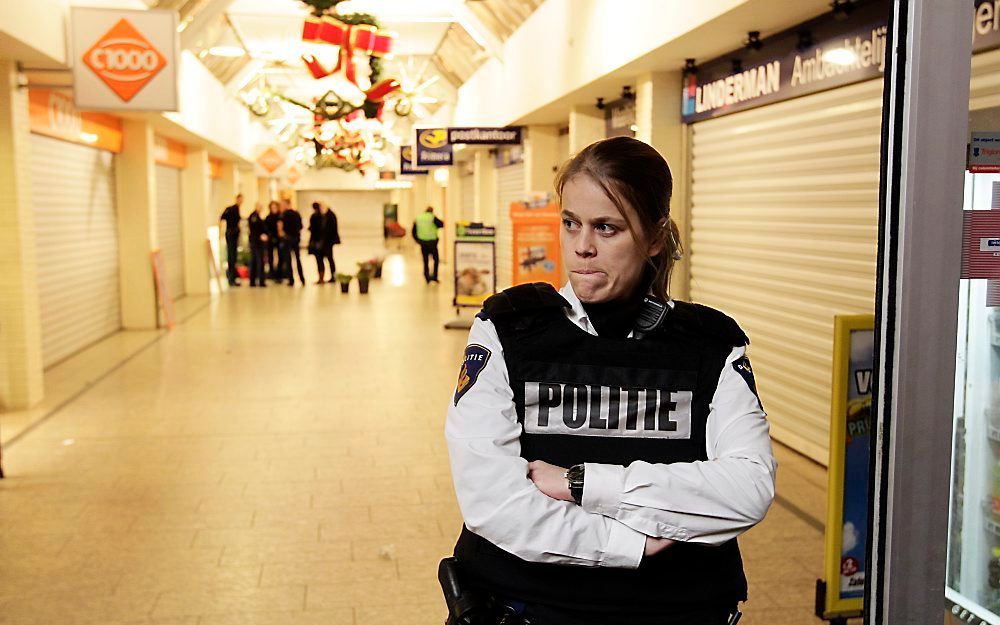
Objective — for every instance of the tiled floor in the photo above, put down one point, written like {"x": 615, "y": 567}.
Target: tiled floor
{"x": 278, "y": 459}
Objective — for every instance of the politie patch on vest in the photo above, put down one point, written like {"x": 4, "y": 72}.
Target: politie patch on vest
{"x": 611, "y": 411}
{"x": 742, "y": 367}
{"x": 476, "y": 357}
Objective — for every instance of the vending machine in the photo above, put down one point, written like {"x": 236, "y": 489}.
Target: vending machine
{"x": 972, "y": 585}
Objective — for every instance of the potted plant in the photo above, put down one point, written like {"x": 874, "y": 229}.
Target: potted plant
{"x": 377, "y": 263}
{"x": 365, "y": 272}
{"x": 344, "y": 279}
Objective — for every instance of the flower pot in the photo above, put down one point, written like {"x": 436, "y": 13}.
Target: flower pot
{"x": 378, "y": 271}
{"x": 345, "y": 287}
{"x": 243, "y": 271}
{"x": 362, "y": 286}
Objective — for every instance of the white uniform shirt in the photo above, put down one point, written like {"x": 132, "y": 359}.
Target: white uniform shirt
{"x": 704, "y": 502}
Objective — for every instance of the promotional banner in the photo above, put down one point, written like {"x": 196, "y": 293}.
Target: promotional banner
{"x": 984, "y": 153}
{"x": 850, "y": 440}
{"x": 536, "y": 242}
{"x": 124, "y": 59}
{"x": 433, "y": 149}
{"x": 475, "y": 264}
{"x": 406, "y": 166}
{"x": 485, "y": 136}
{"x": 833, "y": 50}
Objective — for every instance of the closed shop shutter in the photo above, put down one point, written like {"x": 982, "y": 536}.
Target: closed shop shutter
{"x": 467, "y": 193}
{"x": 73, "y": 192}
{"x": 784, "y": 221}
{"x": 170, "y": 231}
{"x": 510, "y": 188}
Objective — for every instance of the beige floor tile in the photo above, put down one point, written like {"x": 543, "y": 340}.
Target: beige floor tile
{"x": 418, "y": 614}
{"x": 322, "y": 572}
{"x": 302, "y": 553}
{"x": 344, "y": 616}
{"x": 200, "y": 601}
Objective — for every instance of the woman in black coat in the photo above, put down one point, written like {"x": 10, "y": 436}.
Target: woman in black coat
{"x": 331, "y": 237}
{"x": 317, "y": 244}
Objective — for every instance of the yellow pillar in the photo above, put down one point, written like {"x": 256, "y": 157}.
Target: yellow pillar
{"x": 658, "y": 117}
{"x": 541, "y": 158}
{"x": 586, "y": 125}
{"x": 195, "y": 194}
{"x": 20, "y": 326}
{"x": 136, "y": 188}
{"x": 229, "y": 187}
{"x": 484, "y": 179}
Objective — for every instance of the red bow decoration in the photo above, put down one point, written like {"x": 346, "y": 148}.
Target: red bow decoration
{"x": 350, "y": 38}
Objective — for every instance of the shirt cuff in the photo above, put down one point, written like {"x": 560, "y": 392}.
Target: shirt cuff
{"x": 625, "y": 547}
{"x": 602, "y": 488}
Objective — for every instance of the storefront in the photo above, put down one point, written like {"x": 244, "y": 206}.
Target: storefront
{"x": 510, "y": 180}
{"x": 784, "y": 158}
{"x": 73, "y": 192}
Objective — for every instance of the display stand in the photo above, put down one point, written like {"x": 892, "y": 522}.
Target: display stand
{"x": 475, "y": 270}
{"x": 841, "y": 594}
{"x": 213, "y": 262}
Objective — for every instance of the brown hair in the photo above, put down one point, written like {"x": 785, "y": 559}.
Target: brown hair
{"x": 632, "y": 173}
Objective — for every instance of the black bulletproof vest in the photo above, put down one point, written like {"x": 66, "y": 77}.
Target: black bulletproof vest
{"x": 583, "y": 398}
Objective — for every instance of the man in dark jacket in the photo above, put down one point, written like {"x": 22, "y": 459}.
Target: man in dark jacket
{"x": 331, "y": 237}
{"x": 257, "y": 225}
{"x": 291, "y": 237}
{"x": 231, "y": 217}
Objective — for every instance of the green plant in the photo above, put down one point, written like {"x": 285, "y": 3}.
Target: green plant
{"x": 344, "y": 278}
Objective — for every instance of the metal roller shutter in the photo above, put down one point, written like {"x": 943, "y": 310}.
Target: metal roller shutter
{"x": 510, "y": 188}
{"x": 783, "y": 237}
{"x": 467, "y": 195}
{"x": 73, "y": 191}
{"x": 169, "y": 228}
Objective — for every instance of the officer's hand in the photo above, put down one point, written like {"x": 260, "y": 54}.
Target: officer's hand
{"x": 656, "y": 545}
{"x": 549, "y": 479}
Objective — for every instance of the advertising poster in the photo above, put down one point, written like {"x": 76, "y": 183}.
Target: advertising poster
{"x": 536, "y": 242}
{"x": 406, "y": 165}
{"x": 984, "y": 153}
{"x": 475, "y": 264}
{"x": 850, "y": 428}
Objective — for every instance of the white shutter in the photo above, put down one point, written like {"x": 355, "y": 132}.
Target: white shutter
{"x": 784, "y": 221}
{"x": 169, "y": 229}
{"x": 510, "y": 188}
{"x": 73, "y": 192}
{"x": 467, "y": 196}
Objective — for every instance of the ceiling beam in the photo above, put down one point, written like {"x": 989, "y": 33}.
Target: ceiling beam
{"x": 479, "y": 32}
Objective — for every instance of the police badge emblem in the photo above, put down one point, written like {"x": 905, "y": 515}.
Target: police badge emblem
{"x": 476, "y": 357}
{"x": 742, "y": 367}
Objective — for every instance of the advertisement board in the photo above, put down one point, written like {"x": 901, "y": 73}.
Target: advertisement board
{"x": 406, "y": 164}
{"x": 536, "y": 242}
{"x": 850, "y": 440}
{"x": 124, "y": 59}
{"x": 475, "y": 264}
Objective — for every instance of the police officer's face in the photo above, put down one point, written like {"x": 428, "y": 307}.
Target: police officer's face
{"x": 602, "y": 258}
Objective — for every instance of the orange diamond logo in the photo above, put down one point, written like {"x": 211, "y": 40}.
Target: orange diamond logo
{"x": 271, "y": 160}
{"x": 293, "y": 175}
{"x": 124, "y": 60}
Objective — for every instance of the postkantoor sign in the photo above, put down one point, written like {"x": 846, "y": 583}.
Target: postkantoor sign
{"x": 124, "y": 60}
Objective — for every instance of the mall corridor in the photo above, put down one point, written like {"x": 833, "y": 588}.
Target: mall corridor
{"x": 279, "y": 459}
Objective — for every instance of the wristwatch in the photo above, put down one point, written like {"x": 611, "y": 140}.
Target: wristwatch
{"x": 575, "y": 478}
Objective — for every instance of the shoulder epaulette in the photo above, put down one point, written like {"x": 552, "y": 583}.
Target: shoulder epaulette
{"x": 711, "y": 323}
{"x": 524, "y": 298}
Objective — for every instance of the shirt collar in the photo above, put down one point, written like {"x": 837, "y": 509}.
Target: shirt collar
{"x": 578, "y": 315}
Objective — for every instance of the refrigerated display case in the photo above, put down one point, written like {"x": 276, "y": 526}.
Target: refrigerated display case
{"x": 972, "y": 584}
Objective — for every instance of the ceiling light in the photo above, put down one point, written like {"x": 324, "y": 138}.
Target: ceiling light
{"x": 840, "y": 56}
{"x": 227, "y": 51}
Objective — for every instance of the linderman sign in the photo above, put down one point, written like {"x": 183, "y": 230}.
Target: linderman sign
{"x": 820, "y": 54}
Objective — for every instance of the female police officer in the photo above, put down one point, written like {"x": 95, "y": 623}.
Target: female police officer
{"x": 607, "y": 443}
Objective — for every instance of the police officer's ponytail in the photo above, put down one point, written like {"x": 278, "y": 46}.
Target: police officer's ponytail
{"x": 633, "y": 173}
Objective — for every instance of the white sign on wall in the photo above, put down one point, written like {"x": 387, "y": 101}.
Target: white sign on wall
{"x": 984, "y": 153}
{"x": 124, "y": 60}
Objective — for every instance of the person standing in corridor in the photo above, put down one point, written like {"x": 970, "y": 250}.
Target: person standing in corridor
{"x": 257, "y": 225}
{"x": 425, "y": 231}
{"x": 272, "y": 258}
{"x": 331, "y": 237}
{"x": 231, "y": 216}
{"x": 291, "y": 229}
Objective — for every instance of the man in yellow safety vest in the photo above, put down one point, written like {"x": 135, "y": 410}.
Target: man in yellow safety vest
{"x": 425, "y": 231}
